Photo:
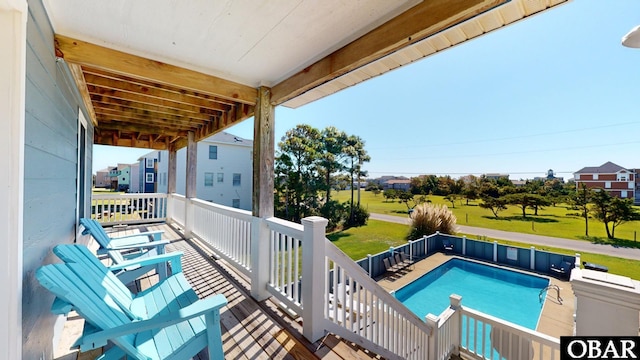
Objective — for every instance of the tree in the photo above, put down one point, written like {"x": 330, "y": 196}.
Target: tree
{"x": 538, "y": 202}
{"x": 521, "y": 200}
{"x": 332, "y": 156}
{"x": 390, "y": 194}
{"x": 614, "y": 210}
{"x": 581, "y": 200}
{"x": 452, "y": 198}
{"x": 356, "y": 156}
{"x": 496, "y": 204}
{"x": 296, "y": 171}
{"x": 405, "y": 197}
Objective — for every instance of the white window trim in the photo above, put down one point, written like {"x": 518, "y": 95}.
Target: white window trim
{"x": 13, "y": 41}
{"x": 148, "y": 163}
{"x": 148, "y": 177}
{"x": 212, "y": 179}
{"x": 607, "y": 184}
{"x": 595, "y": 176}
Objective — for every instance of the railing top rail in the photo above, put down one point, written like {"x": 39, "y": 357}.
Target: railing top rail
{"x": 226, "y": 210}
{"x": 177, "y": 196}
{"x": 128, "y": 196}
{"x": 358, "y": 274}
{"x": 515, "y": 328}
{"x": 286, "y": 227}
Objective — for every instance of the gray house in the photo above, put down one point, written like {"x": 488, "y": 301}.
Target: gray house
{"x": 156, "y": 75}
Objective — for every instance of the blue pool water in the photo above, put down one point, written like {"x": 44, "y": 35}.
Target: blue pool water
{"x": 502, "y": 293}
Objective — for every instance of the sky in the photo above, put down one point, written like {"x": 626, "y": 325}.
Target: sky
{"x": 555, "y": 91}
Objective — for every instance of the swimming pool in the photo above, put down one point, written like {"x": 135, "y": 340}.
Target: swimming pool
{"x": 506, "y": 294}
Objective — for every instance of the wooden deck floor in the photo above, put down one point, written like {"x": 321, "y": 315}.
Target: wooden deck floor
{"x": 250, "y": 329}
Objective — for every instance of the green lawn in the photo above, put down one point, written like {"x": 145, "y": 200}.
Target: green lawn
{"x": 558, "y": 221}
{"x": 378, "y": 236}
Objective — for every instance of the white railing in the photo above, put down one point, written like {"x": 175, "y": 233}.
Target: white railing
{"x": 225, "y": 229}
{"x": 176, "y": 209}
{"x": 358, "y": 309}
{"x": 112, "y": 209}
{"x": 482, "y": 336}
{"x": 285, "y": 262}
{"x": 310, "y": 276}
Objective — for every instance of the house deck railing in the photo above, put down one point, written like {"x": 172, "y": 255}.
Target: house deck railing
{"x": 310, "y": 277}
{"x": 112, "y": 209}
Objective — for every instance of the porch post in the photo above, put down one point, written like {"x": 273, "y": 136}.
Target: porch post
{"x": 313, "y": 277}
{"x": 171, "y": 180}
{"x": 190, "y": 190}
{"x": 13, "y": 41}
{"x": 263, "y": 155}
{"x": 262, "y": 202}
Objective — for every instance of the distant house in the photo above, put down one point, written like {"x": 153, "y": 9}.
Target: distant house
{"x": 397, "y": 185}
{"x": 103, "y": 179}
{"x": 611, "y": 177}
{"x": 147, "y": 173}
{"x": 134, "y": 181}
{"x": 224, "y": 170}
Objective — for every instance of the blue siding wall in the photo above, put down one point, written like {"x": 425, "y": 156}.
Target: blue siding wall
{"x": 51, "y": 148}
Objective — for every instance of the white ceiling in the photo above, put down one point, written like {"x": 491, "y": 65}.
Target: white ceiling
{"x": 253, "y": 42}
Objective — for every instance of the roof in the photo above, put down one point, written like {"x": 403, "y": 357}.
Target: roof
{"x": 152, "y": 71}
{"x": 398, "y": 182}
{"x": 606, "y": 168}
{"x": 225, "y": 137}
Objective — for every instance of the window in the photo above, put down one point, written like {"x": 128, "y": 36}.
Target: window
{"x": 220, "y": 177}
{"x": 213, "y": 152}
{"x": 623, "y": 194}
{"x": 159, "y": 156}
{"x": 149, "y": 178}
{"x": 577, "y": 176}
{"x": 595, "y": 176}
{"x": 149, "y": 163}
{"x": 622, "y": 177}
{"x": 235, "y": 203}
{"x": 607, "y": 184}
{"x": 208, "y": 179}
{"x": 236, "y": 179}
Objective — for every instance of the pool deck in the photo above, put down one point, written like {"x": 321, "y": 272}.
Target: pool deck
{"x": 556, "y": 319}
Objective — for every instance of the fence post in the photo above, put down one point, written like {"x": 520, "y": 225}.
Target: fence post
{"x": 533, "y": 258}
{"x": 369, "y": 267}
{"x": 464, "y": 245}
{"x": 495, "y": 251}
{"x": 426, "y": 243}
{"x": 432, "y": 323}
{"x": 260, "y": 253}
{"x": 170, "y": 202}
{"x": 314, "y": 272}
{"x": 455, "y": 302}
{"x": 577, "y": 264}
{"x": 189, "y": 214}
{"x": 411, "y": 250}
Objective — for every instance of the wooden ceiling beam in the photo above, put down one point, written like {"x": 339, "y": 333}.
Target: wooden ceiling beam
{"x": 419, "y": 22}
{"x": 117, "y": 95}
{"x": 100, "y": 101}
{"x": 76, "y": 72}
{"x": 106, "y": 115}
{"x": 141, "y": 114}
{"x": 159, "y": 92}
{"x": 92, "y": 55}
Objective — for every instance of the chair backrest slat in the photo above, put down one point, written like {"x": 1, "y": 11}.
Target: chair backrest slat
{"x": 94, "y": 228}
{"x": 93, "y": 268}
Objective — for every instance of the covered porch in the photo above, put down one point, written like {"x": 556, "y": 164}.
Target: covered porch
{"x": 167, "y": 76}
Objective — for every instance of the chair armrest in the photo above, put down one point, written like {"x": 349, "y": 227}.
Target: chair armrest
{"x": 200, "y": 307}
{"x": 140, "y": 245}
{"x": 172, "y": 257}
{"x": 157, "y": 235}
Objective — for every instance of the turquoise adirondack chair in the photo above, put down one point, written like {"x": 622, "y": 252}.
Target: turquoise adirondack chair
{"x": 119, "y": 249}
{"x": 166, "y": 321}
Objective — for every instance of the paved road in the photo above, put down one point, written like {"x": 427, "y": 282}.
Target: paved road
{"x": 576, "y": 245}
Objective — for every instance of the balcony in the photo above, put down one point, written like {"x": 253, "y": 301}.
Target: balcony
{"x": 289, "y": 316}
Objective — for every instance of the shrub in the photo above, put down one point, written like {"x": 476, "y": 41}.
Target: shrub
{"x": 360, "y": 217}
{"x": 427, "y": 218}
{"x": 335, "y": 212}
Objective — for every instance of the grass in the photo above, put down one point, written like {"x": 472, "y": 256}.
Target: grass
{"x": 378, "y": 236}
{"x": 559, "y": 221}
{"x": 373, "y": 238}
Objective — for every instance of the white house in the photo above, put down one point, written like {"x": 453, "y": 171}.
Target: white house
{"x": 224, "y": 170}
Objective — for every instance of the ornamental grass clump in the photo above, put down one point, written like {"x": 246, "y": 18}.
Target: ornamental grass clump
{"x": 427, "y": 218}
